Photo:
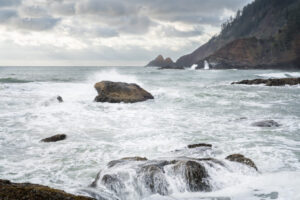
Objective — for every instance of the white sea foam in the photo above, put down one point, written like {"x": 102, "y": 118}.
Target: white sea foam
{"x": 280, "y": 75}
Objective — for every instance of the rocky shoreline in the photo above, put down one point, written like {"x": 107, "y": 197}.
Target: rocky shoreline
{"x": 270, "y": 82}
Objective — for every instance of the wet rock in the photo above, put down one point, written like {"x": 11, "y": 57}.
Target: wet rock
{"x": 55, "y": 138}
{"x": 192, "y": 146}
{"x": 195, "y": 175}
{"x": 271, "y": 82}
{"x": 60, "y": 99}
{"x": 28, "y": 191}
{"x": 113, "y": 183}
{"x": 266, "y": 123}
{"x": 122, "y": 160}
{"x": 117, "y": 92}
{"x": 154, "y": 179}
{"x": 241, "y": 159}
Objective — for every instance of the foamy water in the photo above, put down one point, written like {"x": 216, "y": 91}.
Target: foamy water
{"x": 189, "y": 107}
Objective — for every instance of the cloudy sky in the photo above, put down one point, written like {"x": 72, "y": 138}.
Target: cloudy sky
{"x": 106, "y": 32}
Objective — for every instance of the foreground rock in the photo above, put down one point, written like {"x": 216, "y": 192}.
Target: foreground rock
{"x": 27, "y": 191}
{"x": 241, "y": 159}
{"x": 117, "y": 92}
{"x": 266, "y": 123}
{"x": 55, "y": 138}
{"x": 271, "y": 82}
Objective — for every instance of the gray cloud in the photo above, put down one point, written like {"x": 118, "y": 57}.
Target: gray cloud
{"x": 169, "y": 31}
{"x": 7, "y": 3}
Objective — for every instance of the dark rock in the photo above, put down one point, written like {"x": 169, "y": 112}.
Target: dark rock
{"x": 117, "y": 92}
{"x": 28, "y": 191}
{"x": 195, "y": 175}
{"x": 171, "y": 67}
{"x": 55, "y": 138}
{"x": 271, "y": 82}
{"x": 60, "y": 99}
{"x": 241, "y": 159}
{"x": 266, "y": 123}
{"x": 137, "y": 158}
{"x": 192, "y": 146}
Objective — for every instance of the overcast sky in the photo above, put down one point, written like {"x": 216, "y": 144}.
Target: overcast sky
{"x": 106, "y": 32}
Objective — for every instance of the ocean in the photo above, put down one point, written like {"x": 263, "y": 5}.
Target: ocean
{"x": 190, "y": 106}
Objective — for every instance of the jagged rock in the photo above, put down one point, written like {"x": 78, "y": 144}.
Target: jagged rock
{"x": 242, "y": 159}
{"x": 60, "y": 99}
{"x": 271, "y": 82}
{"x": 117, "y": 92}
{"x": 28, "y": 191}
{"x": 55, "y": 138}
{"x": 167, "y": 63}
{"x": 266, "y": 123}
{"x": 192, "y": 146}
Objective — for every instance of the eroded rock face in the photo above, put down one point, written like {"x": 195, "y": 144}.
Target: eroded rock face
{"x": 117, "y": 92}
{"x": 271, "y": 82}
{"x": 242, "y": 159}
{"x": 28, "y": 191}
{"x": 266, "y": 123}
{"x": 55, "y": 138}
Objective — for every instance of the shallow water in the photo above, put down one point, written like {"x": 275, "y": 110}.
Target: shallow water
{"x": 189, "y": 107}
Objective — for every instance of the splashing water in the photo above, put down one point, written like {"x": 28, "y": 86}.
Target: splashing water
{"x": 181, "y": 114}
{"x": 206, "y": 65}
{"x": 194, "y": 66}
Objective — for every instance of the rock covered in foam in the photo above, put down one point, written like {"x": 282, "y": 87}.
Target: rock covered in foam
{"x": 117, "y": 92}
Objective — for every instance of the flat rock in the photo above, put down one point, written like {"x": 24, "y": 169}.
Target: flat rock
{"x": 266, "y": 123}
{"x": 55, "y": 138}
{"x": 28, "y": 191}
{"x": 271, "y": 82}
{"x": 192, "y": 146}
{"x": 117, "y": 92}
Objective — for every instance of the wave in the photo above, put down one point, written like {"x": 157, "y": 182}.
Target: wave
{"x": 280, "y": 75}
{"x": 13, "y": 80}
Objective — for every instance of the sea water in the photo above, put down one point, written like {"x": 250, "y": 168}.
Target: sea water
{"x": 190, "y": 107}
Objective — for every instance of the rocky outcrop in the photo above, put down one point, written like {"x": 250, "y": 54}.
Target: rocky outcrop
{"x": 28, "y": 191}
{"x": 266, "y": 123}
{"x": 271, "y": 82}
{"x": 167, "y": 63}
{"x": 117, "y": 92}
{"x": 55, "y": 138}
{"x": 264, "y": 35}
{"x": 241, "y": 159}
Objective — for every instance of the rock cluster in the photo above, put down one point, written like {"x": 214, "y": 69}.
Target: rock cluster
{"x": 271, "y": 82}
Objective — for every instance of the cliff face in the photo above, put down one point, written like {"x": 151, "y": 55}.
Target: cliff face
{"x": 263, "y": 34}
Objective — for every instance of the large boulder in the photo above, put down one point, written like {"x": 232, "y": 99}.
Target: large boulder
{"x": 117, "y": 92}
{"x": 241, "y": 159}
{"x": 28, "y": 191}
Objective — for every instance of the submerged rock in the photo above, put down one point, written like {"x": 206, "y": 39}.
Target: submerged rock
{"x": 60, "y": 99}
{"x": 28, "y": 191}
{"x": 117, "y": 92}
{"x": 266, "y": 123}
{"x": 192, "y": 146}
{"x": 271, "y": 82}
{"x": 242, "y": 159}
{"x": 55, "y": 138}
